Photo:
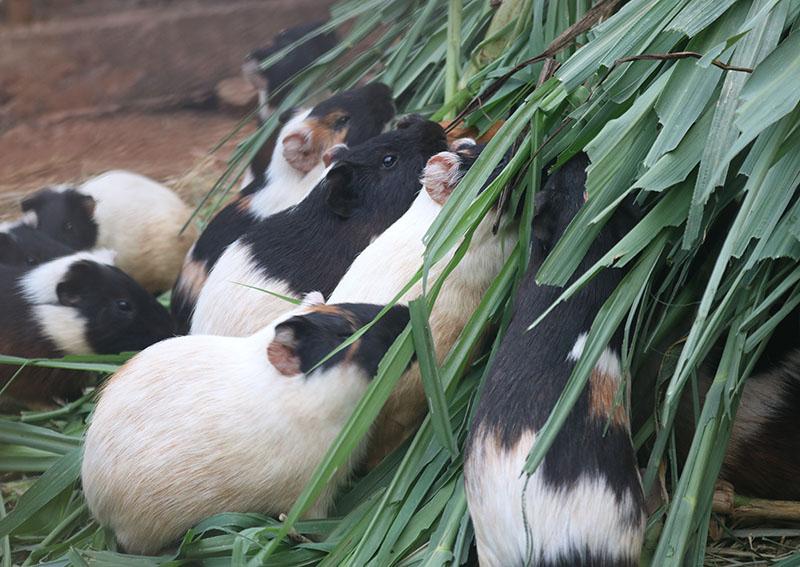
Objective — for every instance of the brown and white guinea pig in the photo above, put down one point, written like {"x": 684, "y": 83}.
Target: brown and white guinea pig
{"x": 167, "y": 445}
{"x": 23, "y": 245}
{"x": 134, "y": 216}
{"x": 297, "y": 165}
{"x": 583, "y": 506}
{"x": 310, "y": 246}
{"x": 77, "y": 304}
{"x": 382, "y": 270}
{"x": 268, "y": 81}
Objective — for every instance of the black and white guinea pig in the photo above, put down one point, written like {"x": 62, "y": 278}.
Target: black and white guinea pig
{"x": 297, "y": 165}
{"x": 134, "y": 216}
{"x": 310, "y": 246}
{"x": 23, "y": 245}
{"x": 583, "y": 506}
{"x": 268, "y": 81}
{"x": 77, "y": 304}
{"x": 167, "y": 446}
{"x": 381, "y": 271}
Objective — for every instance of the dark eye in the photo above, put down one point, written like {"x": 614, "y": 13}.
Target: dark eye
{"x": 389, "y": 160}
{"x": 30, "y": 260}
{"x": 123, "y": 305}
{"x": 341, "y": 122}
{"x": 68, "y": 226}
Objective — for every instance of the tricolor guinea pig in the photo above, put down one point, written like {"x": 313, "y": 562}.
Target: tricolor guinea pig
{"x": 762, "y": 459}
{"x": 268, "y": 81}
{"x": 583, "y": 506}
{"x": 297, "y": 165}
{"x": 23, "y": 245}
{"x": 134, "y": 216}
{"x": 310, "y": 246}
{"x": 77, "y": 304}
{"x": 382, "y": 270}
{"x": 168, "y": 446}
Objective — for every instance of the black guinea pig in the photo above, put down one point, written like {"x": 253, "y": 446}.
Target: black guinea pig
{"x": 23, "y": 245}
{"x": 78, "y": 304}
{"x": 298, "y": 163}
{"x": 310, "y": 246}
{"x": 268, "y": 81}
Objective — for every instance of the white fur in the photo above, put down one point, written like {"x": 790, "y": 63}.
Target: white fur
{"x": 224, "y": 307}
{"x": 200, "y": 425}
{"x": 379, "y": 273}
{"x": 561, "y": 521}
{"x": 608, "y": 363}
{"x": 285, "y": 186}
{"x": 62, "y": 324}
{"x": 141, "y": 220}
{"x": 586, "y": 515}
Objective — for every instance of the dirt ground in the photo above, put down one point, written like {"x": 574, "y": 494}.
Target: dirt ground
{"x": 171, "y": 146}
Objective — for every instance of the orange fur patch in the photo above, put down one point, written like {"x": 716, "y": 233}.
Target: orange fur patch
{"x": 462, "y": 132}
{"x": 603, "y": 389}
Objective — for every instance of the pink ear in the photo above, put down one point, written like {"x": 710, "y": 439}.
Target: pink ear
{"x": 298, "y": 150}
{"x": 280, "y": 352}
{"x": 329, "y": 156}
{"x": 441, "y": 175}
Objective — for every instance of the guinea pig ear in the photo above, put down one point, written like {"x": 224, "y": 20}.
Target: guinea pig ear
{"x": 36, "y": 200}
{"x": 409, "y": 120}
{"x": 282, "y": 351}
{"x": 343, "y": 198}
{"x": 286, "y": 115}
{"x": 79, "y": 279}
{"x": 88, "y": 204}
{"x": 333, "y": 154}
{"x": 441, "y": 175}
{"x": 462, "y": 144}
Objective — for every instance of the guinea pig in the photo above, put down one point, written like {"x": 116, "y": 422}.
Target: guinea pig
{"x": 762, "y": 459}
{"x": 381, "y": 271}
{"x": 167, "y": 445}
{"x": 297, "y": 165}
{"x": 584, "y": 505}
{"x": 134, "y": 216}
{"x": 310, "y": 246}
{"x": 77, "y": 304}
{"x": 23, "y": 245}
{"x": 268, "y": 81}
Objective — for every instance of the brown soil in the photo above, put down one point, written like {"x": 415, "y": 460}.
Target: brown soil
{"x": 169, "y": 146}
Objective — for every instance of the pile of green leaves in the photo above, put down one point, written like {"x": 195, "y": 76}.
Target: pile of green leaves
{"x": 708, "y": 142}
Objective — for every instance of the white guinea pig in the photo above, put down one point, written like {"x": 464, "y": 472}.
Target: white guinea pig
{"x": 134, "y": 216}
{"x": 200, "y": 425}
{"x": 379, "y": 273}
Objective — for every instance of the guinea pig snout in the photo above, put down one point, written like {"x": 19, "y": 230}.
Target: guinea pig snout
{"x": 301, "y": 150}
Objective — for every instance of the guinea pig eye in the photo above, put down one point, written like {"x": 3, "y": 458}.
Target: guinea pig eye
{"x": 30, "y": 260}
{"x": 123, "y": 305}
{"x": 68, "y": 226}
{"x": 341, "y": 122}
{"x": 389, "y": 160}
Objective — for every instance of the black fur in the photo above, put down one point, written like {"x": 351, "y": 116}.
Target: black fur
{"x": 368, "y": 108}
{"x": 97, "y": 292}
{"x": 311, "y": 245}
{"x": 296, "y": 60}
{"x": 66, "y": 216}
{"x": 531, "y": 367}
{"x": 23, "y": 245}
{"x": 319, "y": 332}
